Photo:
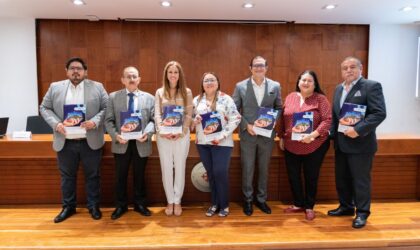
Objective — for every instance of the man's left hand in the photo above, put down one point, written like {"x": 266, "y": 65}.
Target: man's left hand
{"x": 143, "y": 138}
{"x": 88, "y": 125}
{"x": 350, "y": 132}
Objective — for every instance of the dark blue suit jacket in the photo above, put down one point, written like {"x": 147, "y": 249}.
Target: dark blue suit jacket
{"x": 369, "y": 93}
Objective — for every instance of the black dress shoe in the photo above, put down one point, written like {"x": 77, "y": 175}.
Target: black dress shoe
{"x": 263, "y": 207}
{"x": 95, "y": 213}
{"x": 340, "y": 211}
{"x": 118, "y": 212}
{"x": 248, "y": 210}
{"x": 64, "y": 214}
{"x": 359, "y": 221}
{"x": 143, "y": 210}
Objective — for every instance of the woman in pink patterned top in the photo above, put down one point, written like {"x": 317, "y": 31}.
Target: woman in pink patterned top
{"x": 305, "y": 140}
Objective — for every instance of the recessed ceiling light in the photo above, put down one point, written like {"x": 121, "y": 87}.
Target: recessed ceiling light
{"x": 407, "y": 8}
{"x": 248, "y": 5}
{"x": 329, "y": 7}
{"x": 166, "y": 4}
{"x": 78, "y": 2}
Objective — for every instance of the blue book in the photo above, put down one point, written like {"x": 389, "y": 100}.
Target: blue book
{"x": 74, "y": 115}
{"x": 350, "y": 115}
{"x": 302, "y": 125}
{"x": 266, "y": 119}
{"x": 212, "y": 126}
{"x": 172, "y": 119}
{"x": 131, "y": 125}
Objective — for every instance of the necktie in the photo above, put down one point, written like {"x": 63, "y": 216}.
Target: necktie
{"x": 131, "y": 102}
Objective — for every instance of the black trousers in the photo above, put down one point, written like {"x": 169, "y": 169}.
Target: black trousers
{"x": 311, "y": 164}
{"x": 122, "y": 164}
{"x": 353, "y": 181}
{"x": 69, "y": 158}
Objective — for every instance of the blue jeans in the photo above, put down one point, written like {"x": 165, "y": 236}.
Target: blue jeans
{"x": 216, "y": 160}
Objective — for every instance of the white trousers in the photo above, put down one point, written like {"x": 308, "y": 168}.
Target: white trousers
{"x": 173, "y": 157}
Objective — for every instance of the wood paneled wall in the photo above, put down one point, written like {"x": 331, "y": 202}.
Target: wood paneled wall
{"x": 109, "y": 46}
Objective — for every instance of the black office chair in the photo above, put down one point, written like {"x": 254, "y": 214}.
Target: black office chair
{"x": 37, "y": 125}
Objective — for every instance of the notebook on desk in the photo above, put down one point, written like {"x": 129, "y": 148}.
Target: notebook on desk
{"x": 3, "y": 126}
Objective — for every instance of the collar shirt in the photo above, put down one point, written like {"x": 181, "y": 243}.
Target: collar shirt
{"x": 136, "y": 98}
{"x": 75, "y": 94}
{"x": 259, "y": 90}
{"x": 345, "y": 93}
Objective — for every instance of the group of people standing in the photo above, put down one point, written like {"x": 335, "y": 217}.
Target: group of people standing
{"x": 354, "y": 148}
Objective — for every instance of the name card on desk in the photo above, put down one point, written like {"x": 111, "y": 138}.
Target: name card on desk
{"x": 21, "y": 135}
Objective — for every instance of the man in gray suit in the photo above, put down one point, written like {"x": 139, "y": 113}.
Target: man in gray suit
{"x": 356, "y": 146}
{"x": 137, "y": 150}
{"x": 251, "y": 94}
{"x": 85, "y": 148}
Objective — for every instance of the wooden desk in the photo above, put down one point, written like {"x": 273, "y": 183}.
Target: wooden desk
{"x": 29, "y": 174}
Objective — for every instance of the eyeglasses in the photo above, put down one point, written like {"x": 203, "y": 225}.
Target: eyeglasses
{"x": 258, "y": 65}
{"x": 131, "y": 77}
{"x": 76, "y": 68}
{"x": 210, "y": 80}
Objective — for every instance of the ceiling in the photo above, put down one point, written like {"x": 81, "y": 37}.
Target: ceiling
{"x": 299, "y": 11}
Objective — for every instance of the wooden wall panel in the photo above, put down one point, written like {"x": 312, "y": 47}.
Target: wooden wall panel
{"x": 109, "y": 46}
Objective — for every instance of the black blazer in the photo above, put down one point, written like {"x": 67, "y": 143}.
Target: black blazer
{"x": 369, "y": 93}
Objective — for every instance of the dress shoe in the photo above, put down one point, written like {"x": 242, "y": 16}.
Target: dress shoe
{"x": 248, "y": 210}
{"x": 309, "y": 214}
{"x": 293, "y": 209}
{"x": 64, "y": 214}
{"x": 95, "y": 213}
{"x": 359, "y": 221}
{"x": 118, "y": 212}
{"x": 340, "y": 211}
{"x": 143, "y": 210}
{"x": 177, "y": 209}
{"x": 263, "y": 207}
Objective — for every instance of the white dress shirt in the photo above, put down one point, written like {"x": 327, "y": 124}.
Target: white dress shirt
{"x": 258, "y": 90}
{"x": 75, "y": 94}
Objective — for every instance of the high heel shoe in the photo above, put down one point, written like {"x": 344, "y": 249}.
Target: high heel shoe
{"x": 169, "y": 210}
{"x": 177, "y": 209}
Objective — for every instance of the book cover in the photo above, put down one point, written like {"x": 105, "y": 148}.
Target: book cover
{"x": 172, "y": 119}
{"x": 131, "y": 125}
{"x": 350, "y": 115}
{"x": 74, "y": 115}
{"x": 265, "y": 121}
{"x": 302, "y": 125}
{"x": 212, "y": 126}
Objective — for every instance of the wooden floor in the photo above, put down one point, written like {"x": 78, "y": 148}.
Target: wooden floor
{"x": 393, "y": 225}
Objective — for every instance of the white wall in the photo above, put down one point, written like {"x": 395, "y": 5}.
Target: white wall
{"x": 18, "y": 73}
{"x": 393, "y": 62}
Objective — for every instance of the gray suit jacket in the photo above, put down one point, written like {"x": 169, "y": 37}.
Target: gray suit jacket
{"x": 51, "y": 110}
{"x": 118, "y": 102}
{"x": 369, "y": 93}
{"x": 247, "y": 105}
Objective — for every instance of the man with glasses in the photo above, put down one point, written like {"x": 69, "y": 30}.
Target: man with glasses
{"x": 137, "y": 110}
{"x": 250, "y": 95}
{"x": 91, "y": 98}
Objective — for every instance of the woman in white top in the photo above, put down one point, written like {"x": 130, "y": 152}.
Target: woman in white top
{"x": 173, "y": 146}
{"x": 214, "y": 142}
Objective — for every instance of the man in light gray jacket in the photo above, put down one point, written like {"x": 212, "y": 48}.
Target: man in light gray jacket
{"x": 130, "y": 99}
{"x": 71, "y": 149}
{"x": 250, "y": 95}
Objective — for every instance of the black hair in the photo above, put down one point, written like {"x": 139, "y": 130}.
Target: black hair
{"x": 76, "y": 59}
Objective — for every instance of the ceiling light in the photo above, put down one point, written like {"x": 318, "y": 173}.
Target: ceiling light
{"x": 407, "y": 8}
{"x": 78, "y": 2}
{"x": 166, "y": 4}
{"x": 248, "y": 5}
{"x": 329, "y": 7}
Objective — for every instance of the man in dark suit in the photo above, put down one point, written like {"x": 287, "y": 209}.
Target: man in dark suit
{"x": 356, "y": 146}
{"x": 250, "y": 95}
{"x": 71, "y": 150}
{"x": 130, "y": 150}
